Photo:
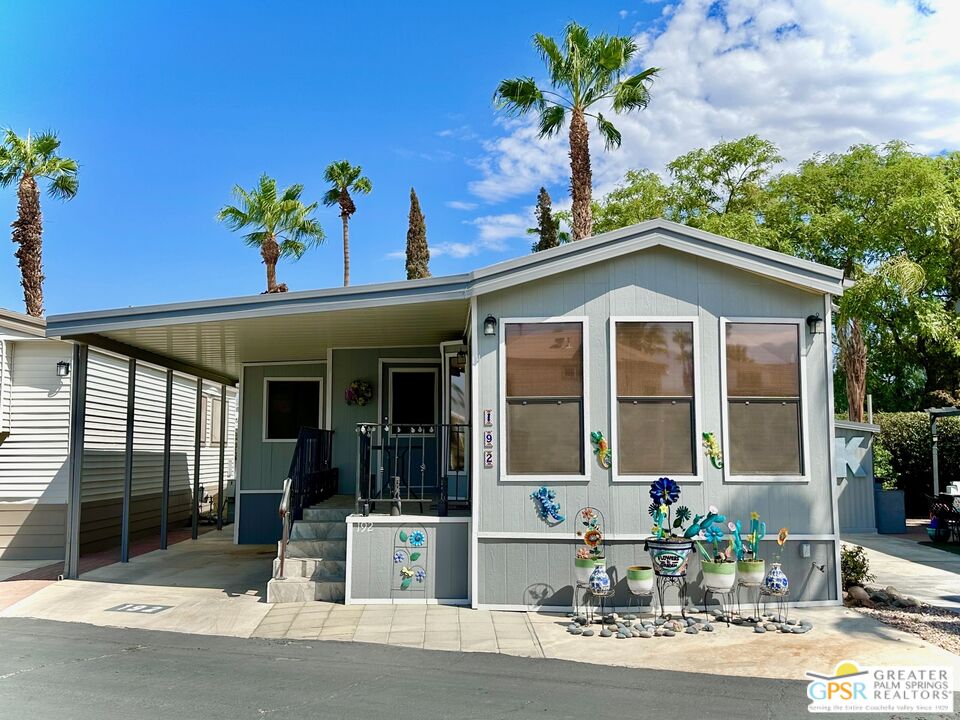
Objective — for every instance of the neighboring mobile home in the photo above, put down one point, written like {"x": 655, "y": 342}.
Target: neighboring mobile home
{"x": 460, "y": 396}
{"x": 35, "y": 420}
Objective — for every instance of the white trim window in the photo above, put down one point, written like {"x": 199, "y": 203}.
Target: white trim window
{"x": 764, "y": 391}
{"x": 654, "y": 373}
{"x": 289, "y": 404}
{"x": 543, "y": 403}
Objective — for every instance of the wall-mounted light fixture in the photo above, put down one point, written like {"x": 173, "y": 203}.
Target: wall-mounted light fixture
{"x": 461, "y": 359}
{"x": 63, "y": 369}
{"x": 490, "y": 325}
{"x": 815, "y": 324}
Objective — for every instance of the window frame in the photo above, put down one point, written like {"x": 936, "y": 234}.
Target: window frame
{"x": 500, "y": 423}
{"x": 802, "y": 351}
{"x": 616, "y": 475}
{"x": 266, "y": 396}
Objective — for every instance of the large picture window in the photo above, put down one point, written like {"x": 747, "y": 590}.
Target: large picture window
{"x": 764, "y": 413}
{"x": 656, "y": 401}
{"x": 544, "y": 398}
{"x": 288, "y": 406}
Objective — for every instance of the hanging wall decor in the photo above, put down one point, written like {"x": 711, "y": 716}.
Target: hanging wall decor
{"x": 590, "y": 530}
{"x": 547, "y": 506}
{"x": 601, "y": 449}
{"x": 711, "y": 448}
{"x": 409, "y": 560}
{"x": 359, "y": 392}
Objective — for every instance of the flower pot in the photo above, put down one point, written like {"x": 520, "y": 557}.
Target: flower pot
{"x": 599, "y": 580}
{"x": 751, "y": 572}
{"x": 640, "y": 579}
{"x": 582, "y": 569}
{"x": 718, "y": 576}
{"x": 776, "y": 582}
{"x": 669, "y": 558}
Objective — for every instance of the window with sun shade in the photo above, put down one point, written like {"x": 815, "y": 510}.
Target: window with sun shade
{"x": 544, "y": 398}
{"x": 763, "y": 398}
{"x": 655, "y": 398}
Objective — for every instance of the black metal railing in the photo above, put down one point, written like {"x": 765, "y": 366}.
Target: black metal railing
{"x": 312, "y": 478}
{"x": 424, "y": 466}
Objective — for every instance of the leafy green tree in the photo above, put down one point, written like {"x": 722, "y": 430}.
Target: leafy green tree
{"x": 883, "y": 215}
{"x": 280, "y": 225}
{"x": 418, "y": 252}
{"x": 345, "y": 179}
{"x": 23, "y": 161}
{"x": 641, "y": 196}
{"x": 548, "y": 228}
{"x": 586, "y": 75}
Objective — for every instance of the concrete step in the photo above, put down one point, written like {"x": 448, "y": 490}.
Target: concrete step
{"x": 311, "y": 569}
{"x": 316, "y": 549}
{"x": 304, "y": 530}
{"x": 298, "y": 590}
{"x": 318, "y": 513}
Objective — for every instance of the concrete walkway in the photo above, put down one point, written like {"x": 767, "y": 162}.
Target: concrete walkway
{"x": 930, "y": 575}
{"x": 212, "y": 587}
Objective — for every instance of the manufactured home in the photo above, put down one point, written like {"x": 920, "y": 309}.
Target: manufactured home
{"x": 36, "y": 379}
{"x": 416, "y": 419}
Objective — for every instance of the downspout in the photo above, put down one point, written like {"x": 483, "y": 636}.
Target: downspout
{"x": 831, "y": 439}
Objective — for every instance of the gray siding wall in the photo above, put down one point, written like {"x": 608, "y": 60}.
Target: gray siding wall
{"x": 264, "y": 465}
{"x": 655, "y": 282}
{"x": 359, "y": 364}
{"x": 374, "y": 574}
{"x": 854, "y": 471}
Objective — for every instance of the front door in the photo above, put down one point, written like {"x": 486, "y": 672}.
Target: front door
{"x": 412, "y": 412}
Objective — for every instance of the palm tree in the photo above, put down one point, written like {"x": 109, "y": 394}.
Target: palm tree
{"x": 22, "y": 161}
{"x": 345, "y": 178}
{"x": 280, "y": 225}
{"x": 585, "y": 73}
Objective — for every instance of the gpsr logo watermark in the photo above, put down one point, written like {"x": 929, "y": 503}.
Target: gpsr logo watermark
{"x": 852, "y": 688}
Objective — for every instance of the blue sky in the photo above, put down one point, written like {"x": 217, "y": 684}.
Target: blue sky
{"x": 167, "y": 105}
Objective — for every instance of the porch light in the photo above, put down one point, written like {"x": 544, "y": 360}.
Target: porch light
{"x": 63, "y": 369}
{"x": 815, "y": 324}
{"x": 490, "y": 325}
{"x": 461, "y": 359}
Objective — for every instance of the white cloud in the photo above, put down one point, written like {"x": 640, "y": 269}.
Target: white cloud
{"x": 811, "y": 75}
{"x": 461, "y": 205}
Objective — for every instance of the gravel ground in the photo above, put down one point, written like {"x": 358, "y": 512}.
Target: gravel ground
{"x": 938, "y": 626}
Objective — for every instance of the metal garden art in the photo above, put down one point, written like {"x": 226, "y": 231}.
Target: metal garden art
{"x": 719, "y": 570}
{"x": 751, "y": 568}
{"x": 711, "y": 448}
{"x": 601, "y": 449}
{"x": 547, "y": 506}
{"x": 590, "y": 556}
{"x": 776, "y": 582}
{"x": 669, "y": 551}
{"x": 410, "y": 560}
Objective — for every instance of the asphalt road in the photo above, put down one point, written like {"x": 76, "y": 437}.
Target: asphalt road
{"x": 71, "y": 671}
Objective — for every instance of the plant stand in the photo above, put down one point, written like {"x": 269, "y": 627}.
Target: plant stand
{"x": 635, "y": 600}
{"x": 751, "y": 587}
{"x": 581, "y": 594}
{"x": 599, "y": 599}
{"x": 726, "y": 598}
{"x": 780, "y": 598}
{"x": 677, "y": 581}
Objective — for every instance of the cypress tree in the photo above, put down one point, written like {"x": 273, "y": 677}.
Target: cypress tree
{"x": 546, "y": 228}
{"x": 418, "y": 254}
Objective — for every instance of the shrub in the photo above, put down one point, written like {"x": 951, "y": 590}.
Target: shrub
{"x": 854, "y": 566}
{"x": 906, "y": 436}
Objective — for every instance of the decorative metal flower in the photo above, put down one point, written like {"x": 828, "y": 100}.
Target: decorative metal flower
{"x": 399, "y": 556}
{"x": 420, "y": 575}
{"x": 665, "y": 491}
{"x": 683, "y": 514}
{"x": 417, "y": 538}
{"x": 782, "y": 536}
{"x": 592, "y": 537}
{"x": 583, "y": 553}
{"x": 713, "y": 533}
{"x": 652, "y": 510}
{"x": 406, "y": 572}
{"x": 754, "y": 515}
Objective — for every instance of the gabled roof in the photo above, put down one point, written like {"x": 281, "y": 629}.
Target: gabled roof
{"x": 20, "y": 323}
{"x": 653, "y": 233}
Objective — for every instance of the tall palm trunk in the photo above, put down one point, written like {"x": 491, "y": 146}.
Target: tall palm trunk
{"x": 581, "y": 178}
{"x": 347, "y": 208}
{"x": 28, "y": 232}
{"x": 270, "y": 252}
{"x": 853, "y": 358}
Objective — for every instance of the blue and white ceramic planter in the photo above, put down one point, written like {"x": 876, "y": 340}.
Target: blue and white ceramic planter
{"x": 776, "y": 581}
{"x": 599, "y": 580}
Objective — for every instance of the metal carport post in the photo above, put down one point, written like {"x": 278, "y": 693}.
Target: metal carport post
{"x": 167, "y": 437}
{"x": 128, "y": 462}
{"x": 78, "y": 420}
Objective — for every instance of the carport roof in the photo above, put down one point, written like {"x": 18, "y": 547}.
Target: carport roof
{"x": 213, "y": 337}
